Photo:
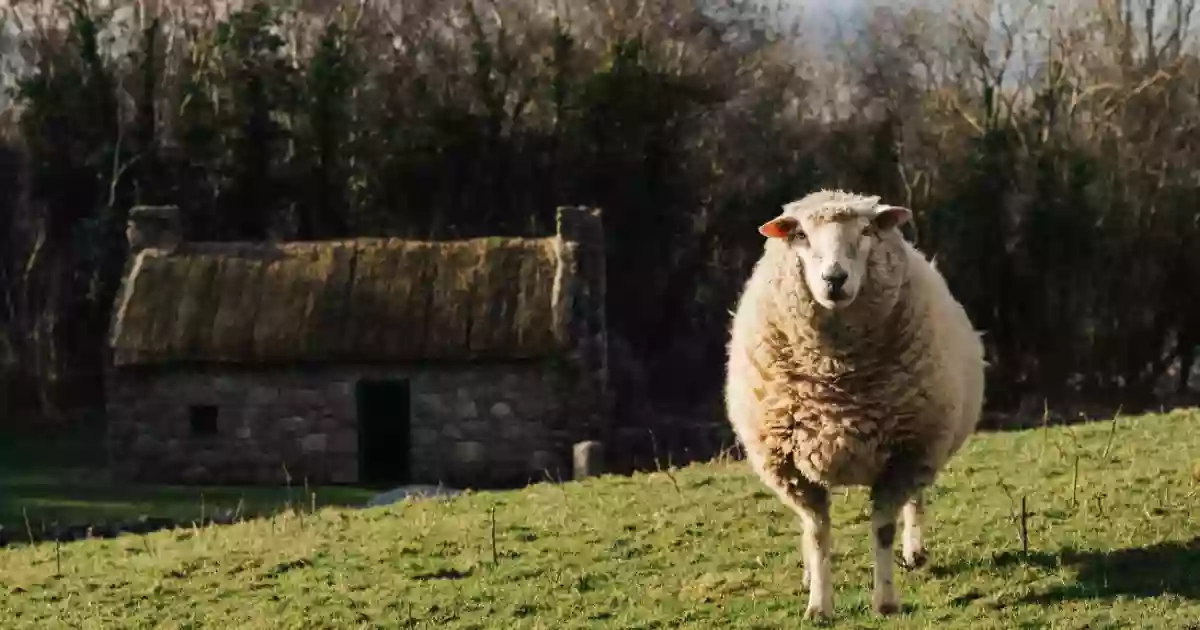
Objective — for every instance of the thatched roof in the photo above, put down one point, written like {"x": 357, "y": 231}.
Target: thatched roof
{"x": 362, "y": 300}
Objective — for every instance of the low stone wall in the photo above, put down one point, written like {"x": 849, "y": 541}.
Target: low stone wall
{"x": 471, "y": 425}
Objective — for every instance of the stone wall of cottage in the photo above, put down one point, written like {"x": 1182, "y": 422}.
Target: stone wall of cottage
{"x": 476, "y": 425}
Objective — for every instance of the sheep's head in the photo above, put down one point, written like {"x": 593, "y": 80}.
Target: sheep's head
{"x": 836, "y": 240}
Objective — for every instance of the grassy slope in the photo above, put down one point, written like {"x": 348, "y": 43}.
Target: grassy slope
{"x": 703, "y": 548}
{"x": 62, "y": 479}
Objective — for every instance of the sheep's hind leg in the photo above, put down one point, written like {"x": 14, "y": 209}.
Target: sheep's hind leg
{"x": 883, "y": 528}
{"x": 913, "y": 545}
{"x": 896, "y": 489}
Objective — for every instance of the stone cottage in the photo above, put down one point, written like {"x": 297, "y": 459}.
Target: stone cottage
{"x": 471, "y": 363}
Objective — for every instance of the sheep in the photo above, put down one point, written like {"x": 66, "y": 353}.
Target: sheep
{"x": 850, "y": 363}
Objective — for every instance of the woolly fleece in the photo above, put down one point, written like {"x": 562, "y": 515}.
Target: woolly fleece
{"x": 831, "y": 395}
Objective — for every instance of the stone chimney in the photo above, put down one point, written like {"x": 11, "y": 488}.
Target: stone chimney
{"x": 153, "y": 227}
{"x": 582, "y": 252}
{"x": 582, "y": 229}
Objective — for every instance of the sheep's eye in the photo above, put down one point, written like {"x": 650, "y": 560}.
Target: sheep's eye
{"x": 799, "y": 236}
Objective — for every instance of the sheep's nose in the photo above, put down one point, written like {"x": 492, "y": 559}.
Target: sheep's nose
{"x": 835, "y": 278}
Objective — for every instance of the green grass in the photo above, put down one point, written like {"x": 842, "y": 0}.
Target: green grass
{"x": 62, "y": 480}
{"x": 1115, "y": 546}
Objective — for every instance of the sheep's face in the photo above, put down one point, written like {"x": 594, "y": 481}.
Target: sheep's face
{"x": 831, "y": 241}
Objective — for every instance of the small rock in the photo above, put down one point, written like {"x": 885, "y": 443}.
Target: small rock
{"x": 146, "y": 443}
{"x": 501, "y": 410}
{"x": 102, "y": 530}
{"x": 195, "y": 473}
{"x": 261, "y": 396}
{"x": 146, "y": 524}
{"x": 453, "y": 431}
{"x": 424, "y": 437}
{"x": 223, "y": 517}
{"x": 415, "y": 491}
{"x": 314, "y": 443}
{"x": 476, "y": 429}
{"x": 470, "y": 453}
{"x": 344, "y": 475}
{"x": 467, "y": 410}
{"x": 514, "y": 431}
{"x": 344, "y": 441}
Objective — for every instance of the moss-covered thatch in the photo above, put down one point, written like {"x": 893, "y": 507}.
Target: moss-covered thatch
{"x": 360, "y": 300}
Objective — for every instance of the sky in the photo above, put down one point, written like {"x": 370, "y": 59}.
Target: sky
{"x": 825, "y": 20}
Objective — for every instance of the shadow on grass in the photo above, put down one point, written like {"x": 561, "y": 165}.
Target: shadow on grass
{"x": 1169, "y": 568}
{"x": 61, "y": 480}
{"x": 46, "y": 501}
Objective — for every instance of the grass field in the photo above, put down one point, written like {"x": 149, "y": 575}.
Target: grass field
{"x": 1112, "y": 527}
{"x": 62, "y": 480}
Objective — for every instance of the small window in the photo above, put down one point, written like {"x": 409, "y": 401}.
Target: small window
{"x": 203, "y": 419}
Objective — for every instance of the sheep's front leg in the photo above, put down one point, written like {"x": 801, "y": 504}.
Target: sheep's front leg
{"x": 816, "y": 543}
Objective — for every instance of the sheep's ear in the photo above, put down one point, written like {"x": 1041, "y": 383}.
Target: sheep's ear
{"x": 779, "y": 227}
{"x": 887, "y": 217}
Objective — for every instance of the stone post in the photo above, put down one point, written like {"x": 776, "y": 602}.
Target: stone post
{"x": 588, "y": 459}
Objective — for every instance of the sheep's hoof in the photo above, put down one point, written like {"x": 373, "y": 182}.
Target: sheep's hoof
{"x": 915, "y": 560}
{"x": 817, "y": 613}
{"x": 886, "y": 607}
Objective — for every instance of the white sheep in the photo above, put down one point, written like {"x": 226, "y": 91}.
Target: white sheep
{"x": 850, "y": 363}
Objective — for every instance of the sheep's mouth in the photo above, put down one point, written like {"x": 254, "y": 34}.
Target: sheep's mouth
{"x": 834, "y": 299}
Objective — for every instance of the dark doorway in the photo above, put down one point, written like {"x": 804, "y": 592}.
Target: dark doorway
{"x": 384, "y": 420}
